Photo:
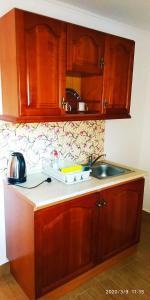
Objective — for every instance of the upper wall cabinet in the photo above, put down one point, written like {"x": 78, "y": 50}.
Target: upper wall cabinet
{"x": 85, "y": 50}
{"x": 33, "y": 67}
{"x": 85, "y": 65}
{"x": 46, "y": 63}
{"x": 117, "y": 79}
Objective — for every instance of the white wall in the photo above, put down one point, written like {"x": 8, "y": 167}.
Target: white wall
{"x": 144, "y": 159}
{"x": 126, "y": 141}
{"x": 124, "y": 138}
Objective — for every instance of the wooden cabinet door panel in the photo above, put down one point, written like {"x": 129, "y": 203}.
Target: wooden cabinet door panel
{"x": 43, "y": 50}
{"x": 85, "y": 50}
{"x": 120, "y": 222}
{"x": 44, "y": 58}
{"x": 65, "y": 241}
{"x": 117, "y": 82}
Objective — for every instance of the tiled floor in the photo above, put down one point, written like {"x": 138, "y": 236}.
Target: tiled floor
{"x": 132, "y": 275}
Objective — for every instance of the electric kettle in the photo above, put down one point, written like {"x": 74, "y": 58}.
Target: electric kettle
{"x": 16, "y": 170}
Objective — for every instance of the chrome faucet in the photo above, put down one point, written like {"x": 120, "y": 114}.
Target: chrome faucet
{"x": 91, "y": 162}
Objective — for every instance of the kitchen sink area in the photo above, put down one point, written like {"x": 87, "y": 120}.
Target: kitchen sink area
{"x": 104, "y": 170}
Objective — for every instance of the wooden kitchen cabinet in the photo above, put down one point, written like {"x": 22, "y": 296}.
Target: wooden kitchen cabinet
{"x": 32, "y": 66}
{"x": 50, "y": 246}
{"x": 117, "y": 78}
{"x": 45, "y": 57}
{"x": 85, "y": 65}
{"x": 109, "y": 61}
{"x": 120, "y": 218}
{"x": 73, "y": 237}
{"x": 85, "y": 50}
{"x": 65, "y": 238}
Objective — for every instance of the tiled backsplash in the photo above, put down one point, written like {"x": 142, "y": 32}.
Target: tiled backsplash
{"x": 72, "y": 140}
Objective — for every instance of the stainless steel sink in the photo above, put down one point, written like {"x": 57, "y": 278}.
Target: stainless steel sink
{"x": 105, "y": 170}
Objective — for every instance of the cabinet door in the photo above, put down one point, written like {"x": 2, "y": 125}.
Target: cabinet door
{"x": 42, "y": 53}
{"x": 65, "y": 241}
{"x": 121, "y": 215}
{"x": 117, "y": 81}
{"x": 85, "y": 50}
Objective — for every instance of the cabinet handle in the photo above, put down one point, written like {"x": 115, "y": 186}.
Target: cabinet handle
{"x": 99, "y": 203}
{"x": 63, "y": 103}
{"x": 101, "y": 62}
{"x": 104, "y": 202}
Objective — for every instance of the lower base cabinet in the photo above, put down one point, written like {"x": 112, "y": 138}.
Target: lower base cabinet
{"x": 119, "y": 225}
{"x": 72, "y": 237}
{"x": 65, "y": 236}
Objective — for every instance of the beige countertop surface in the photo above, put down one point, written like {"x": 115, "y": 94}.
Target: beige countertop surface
{"x": 55, "y": 192}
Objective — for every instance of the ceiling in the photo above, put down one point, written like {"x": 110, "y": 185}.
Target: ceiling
{"x": 131, "y": 12}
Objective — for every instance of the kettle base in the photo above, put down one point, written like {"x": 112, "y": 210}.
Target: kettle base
{"x": 16, "y": 181}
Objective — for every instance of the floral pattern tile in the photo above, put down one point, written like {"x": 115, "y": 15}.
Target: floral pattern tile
{"x": 72, "y": 140}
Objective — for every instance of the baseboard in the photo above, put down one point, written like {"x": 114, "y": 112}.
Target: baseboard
{"x": 146, "y": 211}
{"x": 4, "y": 269}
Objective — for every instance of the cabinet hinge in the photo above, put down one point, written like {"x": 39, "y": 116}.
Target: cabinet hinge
{"x": 105, "y": 102}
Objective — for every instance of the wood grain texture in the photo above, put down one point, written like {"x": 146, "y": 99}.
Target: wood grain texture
{"x": 53, "y": 245}
{"x": 89, "y": 89}
{"x": 65, "y": 240}
{"x": 85, "y": 48}
{"x": 33, "y": 72}
{"x": 92, "y": 92}
{"x": 74, "y": 83}
{"x": 120, "y": 218}
{"x": 83, "y": 278}
{"x": 34, "y": 69}
{"x": 122, "y": 272}
{"x": 19, "y": 220}
{"x": 8, "y": 64}
{"x": 65, "y": 117}
{"x": 117, "y": 80}
{"x": 43, "y": 42}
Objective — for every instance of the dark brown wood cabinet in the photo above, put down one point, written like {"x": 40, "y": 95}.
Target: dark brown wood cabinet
{"x": 117, "y": 78}
{"x": 57, "y": 243}
{"x": 45, "y": 56}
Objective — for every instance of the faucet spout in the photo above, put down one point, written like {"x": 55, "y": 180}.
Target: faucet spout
{"x": 91, "y": 162}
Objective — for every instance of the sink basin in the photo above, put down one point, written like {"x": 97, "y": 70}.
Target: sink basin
{"x": 105, "y": 170}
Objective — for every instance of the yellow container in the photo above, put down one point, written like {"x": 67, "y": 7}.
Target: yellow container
{"x": 71, "y": 169}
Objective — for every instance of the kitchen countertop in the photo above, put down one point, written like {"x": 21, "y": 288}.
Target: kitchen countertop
{"x": 54, "y": 192}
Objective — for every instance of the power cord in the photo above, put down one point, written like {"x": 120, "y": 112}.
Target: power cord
{"x": 32, "y": 187}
